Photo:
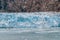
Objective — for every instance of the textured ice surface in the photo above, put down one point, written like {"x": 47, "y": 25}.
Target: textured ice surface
{"x": 30, "y": 20}
{"x": 37, "y": 20}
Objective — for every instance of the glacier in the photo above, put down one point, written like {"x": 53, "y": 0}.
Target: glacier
{"x": 29, "y": 20}
{"x": 30, "y": 26}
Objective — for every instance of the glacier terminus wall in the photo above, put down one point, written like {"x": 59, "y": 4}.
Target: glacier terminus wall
{"x": 30, "y": 20}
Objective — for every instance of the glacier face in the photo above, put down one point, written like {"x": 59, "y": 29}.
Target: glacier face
{"x": 29, "y": 20}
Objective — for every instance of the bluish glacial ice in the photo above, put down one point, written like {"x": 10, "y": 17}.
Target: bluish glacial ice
{"x": 30, "y": 26}
{"x": 40, "y": 20}
{"x": 29, "y": 20}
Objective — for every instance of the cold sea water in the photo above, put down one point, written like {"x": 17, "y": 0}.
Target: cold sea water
{"x": 29, "y": 36}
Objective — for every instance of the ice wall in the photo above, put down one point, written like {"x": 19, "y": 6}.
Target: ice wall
{"x": 30, "y": 20}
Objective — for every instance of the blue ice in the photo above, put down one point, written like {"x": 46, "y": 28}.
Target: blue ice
{"x": 21, "y": 20}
